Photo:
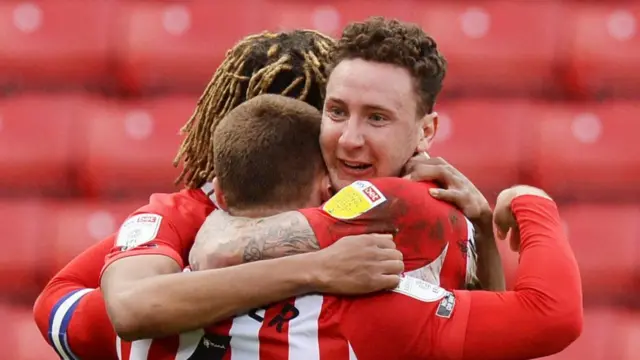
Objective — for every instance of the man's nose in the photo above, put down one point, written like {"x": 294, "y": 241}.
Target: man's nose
{"x": 351, "y": 136}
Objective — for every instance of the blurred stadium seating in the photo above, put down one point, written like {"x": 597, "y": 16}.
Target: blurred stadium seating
{"x": 542, "y": 92}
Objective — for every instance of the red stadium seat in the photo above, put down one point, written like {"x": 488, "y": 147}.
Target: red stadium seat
{"x": 605, "y": 241}
{"x": 483, "y": 139}
{"x": 589, "y": 151}
{"x": 22, "y": 340}
{"x": 179, "y": 44}
{"x": 38, "y": 135}
{"x": 131, "y": 146}
{"x": 78, "y": 225}
{"x": 502, "y": 46}
{"x": 609, "y": 333}
{"x": 24, "y": 224}
{"x": 605, "y": 48}
{"x": 330, "y": 16}
{"x": 53, "y": 41}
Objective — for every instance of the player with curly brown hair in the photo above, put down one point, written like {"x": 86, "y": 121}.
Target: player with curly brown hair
{"x": 372, "y": 125}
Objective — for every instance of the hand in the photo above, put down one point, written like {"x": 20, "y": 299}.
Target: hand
{"x": 457, "y": 189}
{"x": 358, "y": 264}
{"x": 503, "y": 218}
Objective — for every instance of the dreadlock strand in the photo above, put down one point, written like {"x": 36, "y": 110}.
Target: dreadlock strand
{"x": 307, "y": 81}
{"x": 293, "y": 85}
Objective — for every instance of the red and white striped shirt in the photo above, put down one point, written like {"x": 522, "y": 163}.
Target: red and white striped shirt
{"x": 316, "y": 327}
{"x": 437, "y": 243}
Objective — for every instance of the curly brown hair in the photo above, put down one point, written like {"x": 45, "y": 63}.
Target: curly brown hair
{"x": 398, "y": 43}
{"x": 286, "y": 63}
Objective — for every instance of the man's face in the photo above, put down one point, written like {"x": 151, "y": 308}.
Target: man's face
{"x": 370, "y": 126}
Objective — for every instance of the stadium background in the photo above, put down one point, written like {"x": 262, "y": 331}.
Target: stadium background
{"x": 94, "y": 92}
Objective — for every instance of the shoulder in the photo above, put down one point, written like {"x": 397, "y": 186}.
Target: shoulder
{"x": 192, "y": 198}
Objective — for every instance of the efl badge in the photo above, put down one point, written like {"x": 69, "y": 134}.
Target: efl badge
{"x": 354, "y": 200}
{"x": 420, "y": 289}
{"x": 137, "y": 230}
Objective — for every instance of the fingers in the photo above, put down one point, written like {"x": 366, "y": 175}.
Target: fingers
{"x": 391, "y": 267}
{"x": 420, "y": 168}
{"x": 388, "y": 254}
{"x": 383, "y": 241}
{"x": 387, "y": 282}
{"x": 449, "y": 195}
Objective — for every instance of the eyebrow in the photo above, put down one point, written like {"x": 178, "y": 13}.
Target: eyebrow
{"x": 366, "y": 106}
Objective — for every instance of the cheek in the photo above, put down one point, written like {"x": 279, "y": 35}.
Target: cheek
{"x": 329, "y": 136}
{"x": 393, "y": 150}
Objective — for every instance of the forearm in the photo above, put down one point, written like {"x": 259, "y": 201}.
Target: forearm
{"x": 254, "y": 239}
{"x": 490, "y": 270}
{"x": 543, "y": 314}
{"x": 175, "y": 303}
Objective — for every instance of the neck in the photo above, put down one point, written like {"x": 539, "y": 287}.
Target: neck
{"x": 260, "y": 212}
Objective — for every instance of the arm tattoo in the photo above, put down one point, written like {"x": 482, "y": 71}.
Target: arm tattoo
{"x": 278, "y": 236}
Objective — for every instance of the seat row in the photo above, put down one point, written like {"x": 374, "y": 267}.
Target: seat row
{"x": 528, "y": 47}
{"x": 41, "y": 236}
{"x": 73, "y": 144}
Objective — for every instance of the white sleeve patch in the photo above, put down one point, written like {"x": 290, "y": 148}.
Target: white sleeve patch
{"x": 137, "y": 230}
{"x": 420, "y": 289}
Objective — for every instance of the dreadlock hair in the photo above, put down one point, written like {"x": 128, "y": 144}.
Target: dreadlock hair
{"x": 398, "y": 43}
{"x": 292, "y": 64}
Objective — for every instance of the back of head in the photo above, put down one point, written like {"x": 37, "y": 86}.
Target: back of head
{"x": 267, "y": 153}
{"x": 287, "y": 63}
{"x": 397, "y": 43}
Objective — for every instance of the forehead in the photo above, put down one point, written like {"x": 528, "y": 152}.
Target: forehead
{"x": 360, "y": 82}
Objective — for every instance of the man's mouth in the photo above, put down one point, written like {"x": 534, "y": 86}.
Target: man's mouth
{"x": 355, "y": 167}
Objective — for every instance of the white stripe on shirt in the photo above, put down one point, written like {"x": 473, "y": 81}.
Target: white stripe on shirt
{"x": 303, "y": 330}
{"x": 245, "y": 337}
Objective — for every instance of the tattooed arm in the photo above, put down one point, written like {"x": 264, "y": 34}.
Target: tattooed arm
{"x": 224, "y": 240}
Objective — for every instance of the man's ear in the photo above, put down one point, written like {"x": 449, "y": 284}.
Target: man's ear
{"x": 428, "y": 127}
{"x": 221, "y": 202}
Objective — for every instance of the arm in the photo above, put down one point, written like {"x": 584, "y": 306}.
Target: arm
{"x": 226, "y": 241}
{"x": 146, "y": 293}
{"x": 148, "y": 301}
{"x": 196, "y": 299}
{"x": 70, "y": 311}
{"x": 546, "y": 304}
{"x": 542, "y": 316}
{"x": 490, "y": 271}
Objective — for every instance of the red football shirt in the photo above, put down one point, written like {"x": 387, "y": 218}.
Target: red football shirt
{"x": 70, "y": 312}
{"x": 434, "y": 236}
{"x": 417, "y": 320}
{"x": 166, "y": 226}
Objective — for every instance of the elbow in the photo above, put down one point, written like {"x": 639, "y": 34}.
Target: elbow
{"x": 570, "y": 329}
{"x": 563, "y": 329}
{"x": 126, "y": 316}
{"x": 41, "y": 315}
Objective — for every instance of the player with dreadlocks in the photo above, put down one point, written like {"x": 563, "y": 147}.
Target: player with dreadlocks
{"x": 71, "y": 313}
{"x": 290, "y": 64}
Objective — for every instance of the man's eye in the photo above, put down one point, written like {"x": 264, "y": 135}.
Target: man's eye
{"x": 377, "y": 117}
{"x": 336, "y": 111}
